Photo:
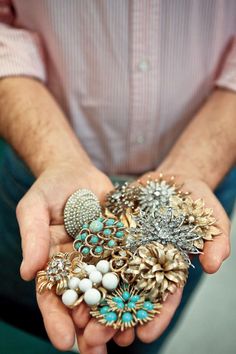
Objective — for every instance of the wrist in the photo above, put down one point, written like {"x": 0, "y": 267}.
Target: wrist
{"x": 188, "y": 168}
{"x": 70, "y": 155}
{"x": 206, "y": 148}
{"x": 34, "y": 124}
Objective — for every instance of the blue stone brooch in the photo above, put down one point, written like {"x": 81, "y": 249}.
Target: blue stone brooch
{"x": 124, "y": 308}
{"x": 100, "y": 237}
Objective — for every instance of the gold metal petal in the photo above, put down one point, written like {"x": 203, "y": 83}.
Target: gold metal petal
{"x": 159, "y": 277}
{"x": 199, "y": 243}
{"x": 214, "y": 230}
{"x": 172, "y": 276}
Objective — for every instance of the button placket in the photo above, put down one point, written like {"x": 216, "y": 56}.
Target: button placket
{"x": 143, "y": 82}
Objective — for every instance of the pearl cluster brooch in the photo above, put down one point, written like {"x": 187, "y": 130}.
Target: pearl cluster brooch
{"x": 129, "y": 253}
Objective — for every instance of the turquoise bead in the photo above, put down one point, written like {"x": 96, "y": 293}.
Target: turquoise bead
{"x": 142, "y": 314}
{"x": 101, "y": 219}
{"x": 120, "y": 305}
{"x": 96, "y": 226}
{"x": 117, "y": 299}
{"x": 148, "y": 306}
{"x": 127, "y": 317}
{"x": 119, "y": 234}
{"x": 78, "y": 237}
{"x": 110, "y": 222}
{"x": 126, "y": 295}
{"x": 107, "y": 232}
{"x": 111, "y": 316}
{"x": 111, "y": 243}
{"x": 85, "y": 250}
{"x": 103, "y": 310}
{"x": 98, "y": 249}
{"x": 83, "y": 236}
{"x": 85, "y": 226}
{"x": 77, "y": 245}
{"x": 135, "y": 298}
{"x": 131, "y": 305}
{"x": 94, "y": 239}
{"x": 120, "y": 224}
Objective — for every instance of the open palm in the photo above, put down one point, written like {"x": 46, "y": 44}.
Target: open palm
{"x": 40, "y": 218}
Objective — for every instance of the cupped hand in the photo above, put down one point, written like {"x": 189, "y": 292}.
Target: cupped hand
{"x": 214, "y": 253}
{"x": 40, "y": 218}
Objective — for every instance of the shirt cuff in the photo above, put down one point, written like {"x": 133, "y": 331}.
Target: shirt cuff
{"x": 227, "y": 77}
{"x": 21, "y": 53}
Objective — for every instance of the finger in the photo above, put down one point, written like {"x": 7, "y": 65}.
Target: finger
{"x": 218, "y": 249}
{"x": 85, "y": 348}
{"x": 57, "y": 321}
{"x": 59, "y": 235}
{"x": 33, "y": 219}
{"x": 81, "y": 315}
{"x": 125, "y": 338}
{"x": 59, "y": 240}
{"x": 152, "y": 330}
{"x": 214, "y": 253}
{"x": 65, "y": 247}
{"x": 96, "y": 334}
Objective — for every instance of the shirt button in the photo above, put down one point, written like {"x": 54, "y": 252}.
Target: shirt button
{"x": 143, "y": 65}
{"x": 139, "y": 139}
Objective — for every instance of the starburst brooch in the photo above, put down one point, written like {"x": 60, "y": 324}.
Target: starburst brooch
{"x": 156, "y": 193}
{"x": 162, "y": 226}
{"x": 122, "y": 198}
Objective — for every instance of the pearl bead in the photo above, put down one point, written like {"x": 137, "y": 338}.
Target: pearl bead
{"x": 92, "y": 297}
{"x": 85, "y": 284}
{"x": 69, "y": 297}
{"x": 103, "y": 266}
{"x": 90, "y": 268}
{"x": 73, "y": 283}
{"x": 95, "y": 277}
{"x": 110, "y": 281}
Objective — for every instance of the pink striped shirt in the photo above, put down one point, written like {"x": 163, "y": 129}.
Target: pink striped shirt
{"x": 129, "y": 75}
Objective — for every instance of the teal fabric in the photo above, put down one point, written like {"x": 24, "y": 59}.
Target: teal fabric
{"x": 17, "y": 298}
{"x": 15, "y": 341}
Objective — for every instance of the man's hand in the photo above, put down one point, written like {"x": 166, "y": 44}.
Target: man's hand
{"x": 40, "y": 217}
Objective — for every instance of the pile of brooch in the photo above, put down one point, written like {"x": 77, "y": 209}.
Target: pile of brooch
{"x": 129, "y": 254}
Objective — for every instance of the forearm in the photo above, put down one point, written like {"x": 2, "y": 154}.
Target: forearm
{"x": 207, "y": 148}
{"x": 32, "y": 122}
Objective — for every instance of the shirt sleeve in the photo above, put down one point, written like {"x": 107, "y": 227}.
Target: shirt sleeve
{"x": 227, "y": 77}
{"x": 21, "y": 52}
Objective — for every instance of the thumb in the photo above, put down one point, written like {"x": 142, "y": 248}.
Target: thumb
{"x": 33, "y": 219}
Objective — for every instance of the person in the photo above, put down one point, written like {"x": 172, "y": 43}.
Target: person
{"x": 94, "y": 89}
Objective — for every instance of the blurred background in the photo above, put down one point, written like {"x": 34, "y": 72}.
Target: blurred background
{"x": 208, "y": 324}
